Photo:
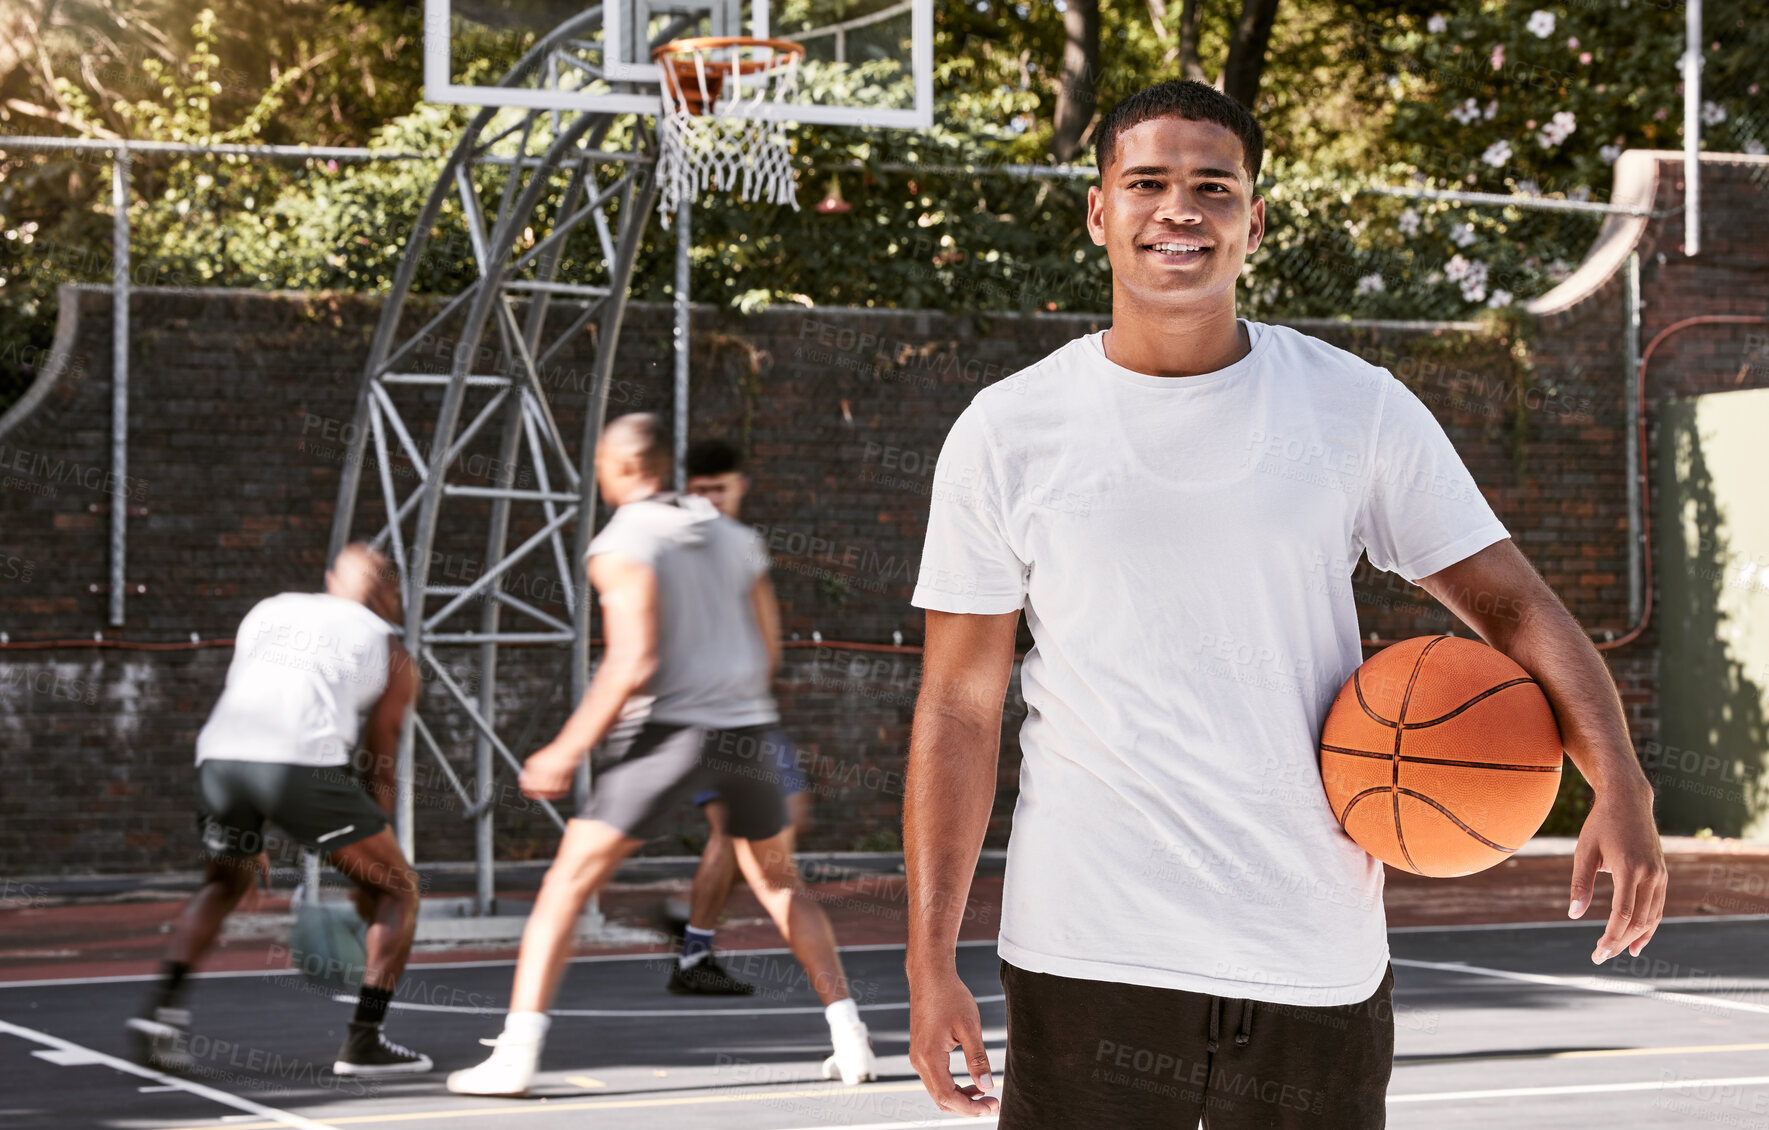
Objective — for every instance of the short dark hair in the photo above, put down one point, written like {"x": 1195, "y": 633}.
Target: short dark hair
{"x": 711, "y": 457}
{"x": 1182, "y": 98}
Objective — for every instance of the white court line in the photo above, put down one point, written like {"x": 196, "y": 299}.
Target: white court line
{"x": 1589, "y": 984}
{"x": 1586, "y": 1089}
{"x": 72, "y": 1050}
{"x": 345, "y": 998}
{"x": 488, "y": 963}
{"x": 1684, "y": 920}
{"x": 1431, "y": 1097}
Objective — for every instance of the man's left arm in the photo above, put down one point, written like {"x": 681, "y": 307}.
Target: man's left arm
{"x": 1499, "y": 594}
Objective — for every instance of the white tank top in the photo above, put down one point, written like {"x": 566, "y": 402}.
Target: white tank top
{"x": 305, "y": 667}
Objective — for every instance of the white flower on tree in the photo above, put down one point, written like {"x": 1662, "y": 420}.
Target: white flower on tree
{"x": 1492, "y": 107}
{"x": 1467, "y": 112}
{"x": 1497, "y": 153}
{"x": 1609, "y": 153}
{"x": 1754, "y": 147}
{"x": 1541, "y": 24}
{"x": 1370, "y": 284}
{"x": 1558, "y": 130}
{"x": 1409, "y": 222}
{"x": 1499, "y": 298}
{"x": 1462, "y": 235}
{"x": 1473, "y": 279}
{"x": 1437, "y": 25}
{"x": 1712, "y": 113}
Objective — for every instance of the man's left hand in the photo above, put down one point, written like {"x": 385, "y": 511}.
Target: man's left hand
{"x": 1620, "y": 837}
{"x": 548, "y": 774}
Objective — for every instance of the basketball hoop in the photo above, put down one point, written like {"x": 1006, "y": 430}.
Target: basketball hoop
{"x": 703, "y": 141}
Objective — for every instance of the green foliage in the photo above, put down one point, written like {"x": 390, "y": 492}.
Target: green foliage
{"x": 1377, "y": 93}
{"x": 1500, "y": 98}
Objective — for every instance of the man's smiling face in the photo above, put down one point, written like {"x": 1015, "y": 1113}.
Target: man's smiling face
{"x": 1175, "y": 212}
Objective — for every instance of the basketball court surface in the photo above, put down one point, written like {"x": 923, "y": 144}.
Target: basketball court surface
{"x": 1504, "y": 1024}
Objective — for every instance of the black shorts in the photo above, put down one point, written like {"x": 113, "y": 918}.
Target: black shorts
{"x": 1099, "y": 1053}
{"x": 324, "y": 808}
{"x": 646, "y": 769}
{"x": 785, "y": 758}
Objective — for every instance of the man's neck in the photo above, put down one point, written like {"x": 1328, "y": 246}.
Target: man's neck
{"x": 1165, "y": 344}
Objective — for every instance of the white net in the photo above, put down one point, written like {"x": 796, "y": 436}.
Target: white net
{"x": 705, "y": 138}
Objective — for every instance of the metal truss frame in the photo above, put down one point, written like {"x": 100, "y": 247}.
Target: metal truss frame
{"x": 505, "y": 314}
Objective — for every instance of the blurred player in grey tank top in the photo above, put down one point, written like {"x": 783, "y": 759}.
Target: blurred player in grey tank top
{"x": 680, "y": 703}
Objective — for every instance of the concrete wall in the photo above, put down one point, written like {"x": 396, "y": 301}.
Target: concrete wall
{"x": 239, "y": 400}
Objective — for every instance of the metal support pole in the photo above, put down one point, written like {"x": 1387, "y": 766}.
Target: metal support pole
{"x": 1692, "y": 127}
{"x": 683, "y": 215}
{"x": 1630, "y": 383}
{"x": 484, "y": 769}
{"x": 119, "y": 377}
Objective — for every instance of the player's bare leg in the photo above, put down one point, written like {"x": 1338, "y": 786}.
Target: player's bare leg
{"x": 162, "y": 1033}
{"x": 387, "y": 898}
{"x": 768, "y": 866}
{"x": 589, "y": 855}
{"x": 698, "y": 971}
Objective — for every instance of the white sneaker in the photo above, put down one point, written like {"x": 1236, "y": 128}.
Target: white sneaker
{"x": 510, "y": 1070}
{"x": 163, "y": 1039}
{"x": 853, "y": 1059}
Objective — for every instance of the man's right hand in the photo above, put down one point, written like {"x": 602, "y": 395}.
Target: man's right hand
{"x": 942, "y": 1016}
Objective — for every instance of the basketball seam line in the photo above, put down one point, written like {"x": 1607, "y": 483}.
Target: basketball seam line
{"x": 1488, "y": 693}
{"x": 1400, "y": 729}
{"x": 1345, "y": 814}
{"x": 1456, "y": 820}
{"x": 1397, "y": 793}
{"x": 1417, "y": 760}
{"x": 1357, "y": 687}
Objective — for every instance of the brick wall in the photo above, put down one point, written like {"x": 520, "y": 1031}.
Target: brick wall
{"x": 238, "y": 398}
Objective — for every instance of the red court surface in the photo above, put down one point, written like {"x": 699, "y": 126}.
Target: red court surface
{"x": 60, "y": 937}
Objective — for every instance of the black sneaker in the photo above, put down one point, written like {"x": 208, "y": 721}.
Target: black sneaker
{"x": 367, "y": 1051}
{"x": 707, "y": 978}
{"x": 162, "y": 1040}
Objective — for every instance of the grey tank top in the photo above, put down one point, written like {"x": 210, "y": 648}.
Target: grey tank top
{"x": 712, "y": 667}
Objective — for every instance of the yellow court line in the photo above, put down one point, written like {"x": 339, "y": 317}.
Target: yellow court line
{"x": 1594, "y": 1053}
{"x": 1662, "y": 1051}
{"x": 541, "y": 1106}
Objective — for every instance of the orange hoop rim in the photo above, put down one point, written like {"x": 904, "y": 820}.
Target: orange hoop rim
{"x": 793, "y": 52}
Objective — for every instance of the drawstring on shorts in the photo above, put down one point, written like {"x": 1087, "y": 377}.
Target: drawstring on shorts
{"x": 1241, "y": 1038}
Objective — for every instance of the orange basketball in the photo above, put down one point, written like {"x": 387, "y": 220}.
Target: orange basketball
{"x": 1440, "y": 756}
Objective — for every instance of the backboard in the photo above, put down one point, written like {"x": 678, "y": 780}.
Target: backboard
{"x": 867, "y": 62}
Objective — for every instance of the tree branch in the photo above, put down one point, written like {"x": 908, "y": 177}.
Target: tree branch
{"x": 1078, "y": 94}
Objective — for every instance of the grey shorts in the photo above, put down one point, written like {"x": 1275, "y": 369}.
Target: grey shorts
{"x": 324, "y": 808}
{"x": 646, "y": 769}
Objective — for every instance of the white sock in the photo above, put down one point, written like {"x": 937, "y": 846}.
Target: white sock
{"x": 842, "y": 1012}
{"x": 527, "y": 1025}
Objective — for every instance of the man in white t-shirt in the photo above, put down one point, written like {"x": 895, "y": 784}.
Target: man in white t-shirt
{"x": 1177, "y": 504}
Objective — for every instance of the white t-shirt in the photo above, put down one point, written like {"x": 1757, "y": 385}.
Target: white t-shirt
{"x": 306, "y": 666}
{"x": 1182, "y": 549}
